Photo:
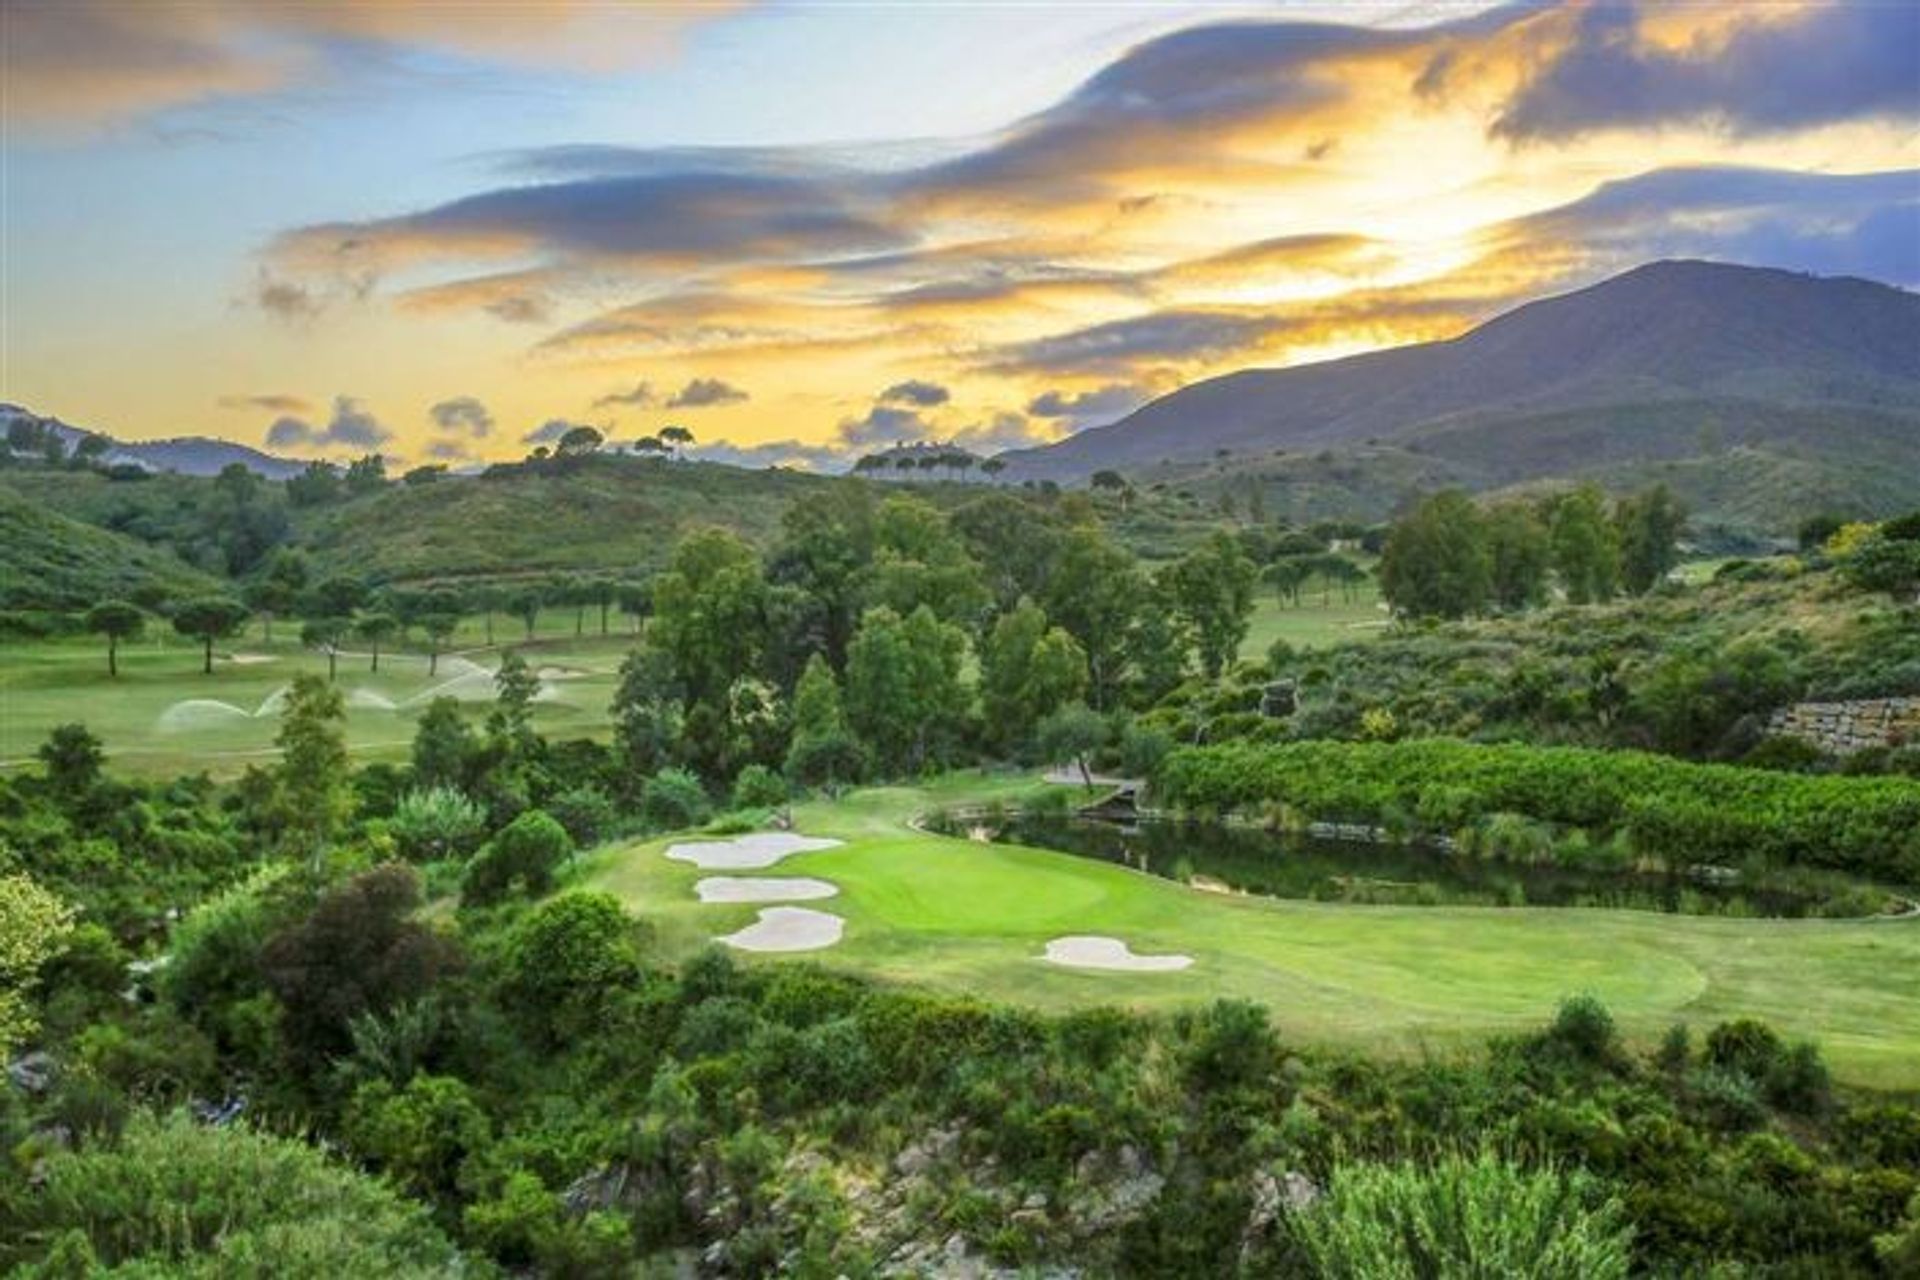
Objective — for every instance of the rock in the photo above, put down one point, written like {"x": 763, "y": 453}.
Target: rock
{"x": 1298, "y": 1191}
{"x": 33, "y": 1072}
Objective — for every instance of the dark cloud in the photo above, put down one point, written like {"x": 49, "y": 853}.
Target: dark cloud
{"x": 999, "y": 433}
{"x": 464, "y": 414}
{"x": 449, "y": 451}
{"x": 272, "y": 403}
{"x": 641, "y": 397}
{"x": 550, "y": 431}
{"x": 351, "y": 427}
{"x": 884, "y": 425}
{"x": 777, "y": 453}
{"x": 916, "y": 391}
{"x": 1089, "y": 408}
{"x": 1123, "y": 344}
{"x": 1841, "y": 61}
{"x": 1832, "y": 224}
{"x": 663, "y": 219}
{"x": 284, "y": 299}
{"x": 705, "y": 393}
{"x": 519, "y": 308}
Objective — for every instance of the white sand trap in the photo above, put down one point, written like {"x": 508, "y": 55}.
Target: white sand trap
{"x": 748, "y": 852}
{"x": 250, "y": 659}
{"x": 1093, "y": 952}
{"x": 764, "y": 889}
{"x": 787, "y": 929}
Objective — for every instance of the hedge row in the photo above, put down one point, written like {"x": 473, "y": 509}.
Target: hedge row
{"x": 1676, "y": 810}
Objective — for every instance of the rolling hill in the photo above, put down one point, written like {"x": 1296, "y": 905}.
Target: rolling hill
{"x": 50, "y": 562}
{"x": 1670, "y": 363}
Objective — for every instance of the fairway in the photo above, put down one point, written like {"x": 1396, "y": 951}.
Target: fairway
{"x": 973, "y": 918}
{"x": 1316, "y": 622}
{"x": 164, "y": 717}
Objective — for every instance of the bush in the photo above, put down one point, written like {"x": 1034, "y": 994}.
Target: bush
{"x": 177, "y": 1198}
{"x": 585, "y": 812}
{"x": 673, "y": 799}
{"x": 522, "y": 858}
{"x": 436, "y": 823}
{"x": 1675, "y": 809}
{"x": 1462, "y": 1218}
{"x": 1584, "y": 1028}
{"x": 759, "y": 787}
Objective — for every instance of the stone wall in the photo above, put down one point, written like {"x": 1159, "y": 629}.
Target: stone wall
{"x": 1841, "y": 728}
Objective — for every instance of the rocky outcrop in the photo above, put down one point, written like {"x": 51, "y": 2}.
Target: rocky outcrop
{"x": 1842, "y": 728}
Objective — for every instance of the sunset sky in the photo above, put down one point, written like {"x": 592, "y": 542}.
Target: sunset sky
{"x": 448, "y": 230}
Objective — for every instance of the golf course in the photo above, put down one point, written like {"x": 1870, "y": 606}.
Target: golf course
{"x": 975, "y": 918}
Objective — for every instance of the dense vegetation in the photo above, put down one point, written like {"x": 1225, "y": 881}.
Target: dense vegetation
{"x": 364, "y": 1020}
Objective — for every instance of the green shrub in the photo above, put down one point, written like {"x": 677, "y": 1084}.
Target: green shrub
{"x": 521, "y": 858}
{"x": 759, "y": 787}
{"x": 437, "y": 823}
{"x": 585, "y": 812}
{"x": 1462, "y": 1218}
{"x": 673, "y": 799}
{"x": 177, "y": 1198}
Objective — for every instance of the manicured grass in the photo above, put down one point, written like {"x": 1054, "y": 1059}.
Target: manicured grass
{"x": 973, "y": 918}
{"x": 147, "y": 731}
{"x": 1315, "y": 622}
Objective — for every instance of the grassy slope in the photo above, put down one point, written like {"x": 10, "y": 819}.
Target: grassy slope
{"x": 48, "y": 561}
{"x": 971, "y": 918}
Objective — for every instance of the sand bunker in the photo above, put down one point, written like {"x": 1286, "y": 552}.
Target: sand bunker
{"x": 250, "y": 659}
{"x": 763, "y": 889}
{"x": 1093, "y": 952}
{"x": 787, "y": 929}
{"x": 746, "y": 853}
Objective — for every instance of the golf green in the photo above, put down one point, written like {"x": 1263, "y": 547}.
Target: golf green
{"x": 963, "y": 916}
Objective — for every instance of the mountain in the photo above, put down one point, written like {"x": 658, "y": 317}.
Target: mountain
{"x": 187, "y": 455}
{"x": 1672, "y": 362}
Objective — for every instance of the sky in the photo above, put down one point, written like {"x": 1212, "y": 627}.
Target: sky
{"x": 449, "y": 231}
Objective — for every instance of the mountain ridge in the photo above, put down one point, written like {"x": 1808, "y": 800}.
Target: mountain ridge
{"x": 1746, "y": 345}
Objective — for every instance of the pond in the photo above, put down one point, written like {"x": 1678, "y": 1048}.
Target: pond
{"x": 1246, "y": 859}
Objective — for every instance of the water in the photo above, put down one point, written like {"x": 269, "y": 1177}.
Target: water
{"x": 1254, "y": 860}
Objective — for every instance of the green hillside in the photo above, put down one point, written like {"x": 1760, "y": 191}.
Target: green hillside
{"x": 48, "y": 561}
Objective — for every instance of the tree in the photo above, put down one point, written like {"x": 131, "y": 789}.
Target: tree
{"x": 525, "y": 604}
{"x": 375, "y": 627}
{"x": 326, "y": 635}
{"x": 366, "y": 475}
{"x": 564, "y": 960}
{"x": 579, "y": 442}
{"x": 443, "y": 744}
{"x": 1436, "y": 562}
{"x": 1073, "y": 735}
{"x": 1287, "y": 576}
{"x": 34, "y": 926}
{"x": 438, "y": 624}
{"x": 318, "y": 485}
{"x": 208, "y": 619}
{"x": 710, "y": 606}
{"x": 904, "y": 697}
{"x": 1519, "y": 555}
{"x": 72, "y": 757}
{"x": 314, "y": 781}
{"x": 1027, "y": 670}
{"x": 521, "y": 858}
{"x": 647, "y": 713}
{"x": 1647, "y": 527}
{"x": 823, "y": 752}
{"x": 1586, "y": 548}
{"x": 674, "y": 799}
{"x": 512, "y": 717}
{"x": 1094, "y": 592}
{"x": 992, "y": 468}
{"x": 1885, "y": 563}
{"x": 676, "y": 438}
{"x": 360, "y": 950}
{"x": 116, "y": 620}
{"x": 826, "y": 549}
{"x": 1212, "y": 590}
